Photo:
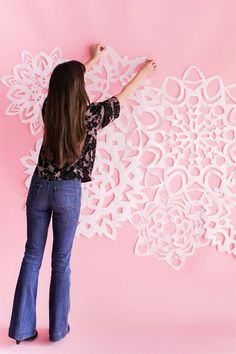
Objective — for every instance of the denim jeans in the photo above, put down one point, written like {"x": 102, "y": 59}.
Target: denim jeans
{"x": 60, "y": 200}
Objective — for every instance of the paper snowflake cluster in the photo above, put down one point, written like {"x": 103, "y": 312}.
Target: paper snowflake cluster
{"x": 167, "y": 164}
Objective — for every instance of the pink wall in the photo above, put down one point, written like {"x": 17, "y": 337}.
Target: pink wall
{"x": 110, "y": 285}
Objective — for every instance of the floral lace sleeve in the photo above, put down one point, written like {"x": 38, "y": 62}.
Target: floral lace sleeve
{"x": 102, "y": 113}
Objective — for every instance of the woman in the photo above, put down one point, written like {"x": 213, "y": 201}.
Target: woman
{"x": 65, "y": 161}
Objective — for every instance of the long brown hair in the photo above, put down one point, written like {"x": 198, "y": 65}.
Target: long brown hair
{"x": 64, "y": 117}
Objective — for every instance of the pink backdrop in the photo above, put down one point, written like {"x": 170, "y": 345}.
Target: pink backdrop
{"x": 121, "y": 303}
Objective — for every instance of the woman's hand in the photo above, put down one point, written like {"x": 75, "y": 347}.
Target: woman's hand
{"x": 149, "y": 67}
{"x": 96, "y": 51}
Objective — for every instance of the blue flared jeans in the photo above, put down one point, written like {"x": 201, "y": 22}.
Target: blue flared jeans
{"x": 59, "y": 200}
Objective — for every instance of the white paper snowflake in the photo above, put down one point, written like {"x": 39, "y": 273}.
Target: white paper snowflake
{"x": 192, "y": 151}
{"x": 28, "y": 86}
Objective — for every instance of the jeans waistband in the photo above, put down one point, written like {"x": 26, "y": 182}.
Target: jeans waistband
{"x": 67, "y": 182}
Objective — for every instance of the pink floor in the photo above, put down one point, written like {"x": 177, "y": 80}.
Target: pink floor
{"x": 137, "y": 339}
{"x": 116, "y": 310}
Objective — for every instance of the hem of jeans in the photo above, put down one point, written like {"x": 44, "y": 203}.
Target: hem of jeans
{"x": 21, "y": 335}
{"x": 56, "y": 338}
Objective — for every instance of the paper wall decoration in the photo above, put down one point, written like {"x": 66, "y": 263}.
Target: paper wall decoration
{"x": 167, "y": 164}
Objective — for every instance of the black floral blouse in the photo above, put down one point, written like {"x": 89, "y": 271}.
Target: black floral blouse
{"x": 98, "y": 115}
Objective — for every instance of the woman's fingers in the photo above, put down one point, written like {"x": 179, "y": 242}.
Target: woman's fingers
{"x": 96, "y": 49}
{"x": 151, "y": 61}
{"x": 153, "y": 64}
{"x": 149, "y": 66}
{"x": 99, "y": 46}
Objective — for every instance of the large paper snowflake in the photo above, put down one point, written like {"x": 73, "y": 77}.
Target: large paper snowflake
{"x": 167, "y": 164}
{"x": 28, "y": 87}
{"x": 192, "y": 153}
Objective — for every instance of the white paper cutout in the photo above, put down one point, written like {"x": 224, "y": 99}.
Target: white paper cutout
{"x": 167, "y": 164}
{"x": 195, "y": 143}
{"x": 28, "y": 87}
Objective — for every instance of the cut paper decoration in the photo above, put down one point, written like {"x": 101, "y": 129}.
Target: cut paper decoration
{"x": 28, "y": 87}
{"x": 167, "y": 164}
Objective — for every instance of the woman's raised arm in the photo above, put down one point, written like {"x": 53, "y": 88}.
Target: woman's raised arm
{"x": 132, "y": 85}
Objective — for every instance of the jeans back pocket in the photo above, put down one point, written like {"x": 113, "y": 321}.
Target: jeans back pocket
{"x": 66, "y": 197}
{"x": 33, "y": 193}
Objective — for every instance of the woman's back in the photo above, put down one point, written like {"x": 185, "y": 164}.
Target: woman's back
{"x": 97, "y": 116}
